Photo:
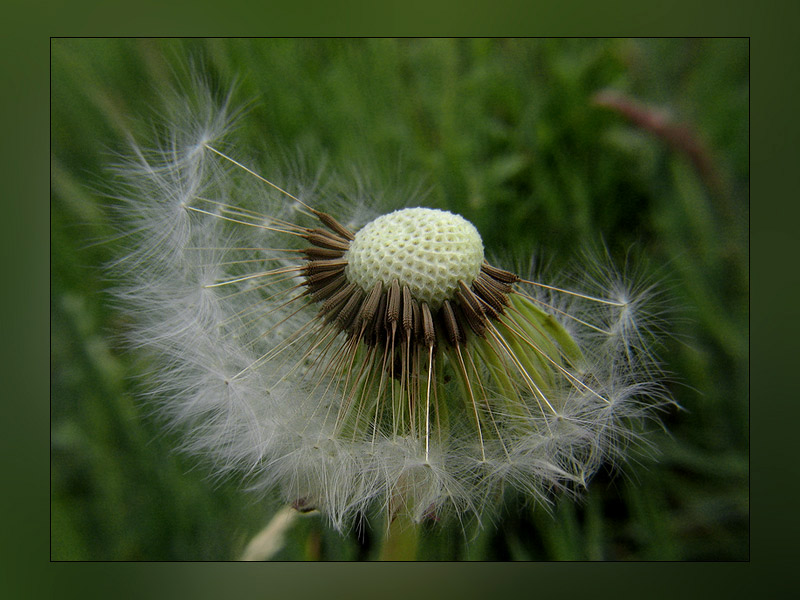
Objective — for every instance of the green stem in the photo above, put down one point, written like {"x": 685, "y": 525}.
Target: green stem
{"x": 401, "y": 540}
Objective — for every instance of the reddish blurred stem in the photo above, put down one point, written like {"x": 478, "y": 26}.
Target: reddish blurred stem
{"x": 680, "y": 137}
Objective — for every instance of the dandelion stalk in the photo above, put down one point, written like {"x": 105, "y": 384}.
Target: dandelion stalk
{"x": 401, "y": 538}
{"x": 270, "y": 540}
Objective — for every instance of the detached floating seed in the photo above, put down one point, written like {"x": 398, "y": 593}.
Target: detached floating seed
{"x": 414, "y": 276}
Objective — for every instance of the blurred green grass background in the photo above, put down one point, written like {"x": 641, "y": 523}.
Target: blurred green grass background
{"x": 506, "y": 132}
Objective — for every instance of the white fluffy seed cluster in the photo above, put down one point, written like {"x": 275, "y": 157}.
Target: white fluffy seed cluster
{"x": 257, "y": 384}
{"x": 426, "y": 249}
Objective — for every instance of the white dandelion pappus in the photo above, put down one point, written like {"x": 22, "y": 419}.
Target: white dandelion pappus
{"x": 387, "y": 365}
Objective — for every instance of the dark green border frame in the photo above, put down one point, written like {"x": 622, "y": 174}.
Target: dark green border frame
{"x": 26, "y": 51}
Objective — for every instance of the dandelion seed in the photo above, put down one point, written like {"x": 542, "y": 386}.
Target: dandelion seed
{"x": 387, "y": 365}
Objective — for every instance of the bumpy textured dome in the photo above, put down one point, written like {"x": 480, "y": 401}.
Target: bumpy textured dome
{"x": 428, "y": 250}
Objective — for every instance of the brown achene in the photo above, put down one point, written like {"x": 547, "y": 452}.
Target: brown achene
{"x": 388, "y": 314}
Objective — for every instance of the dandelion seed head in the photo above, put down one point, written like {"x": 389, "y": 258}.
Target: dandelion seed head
{"x": 390, "y": 366}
